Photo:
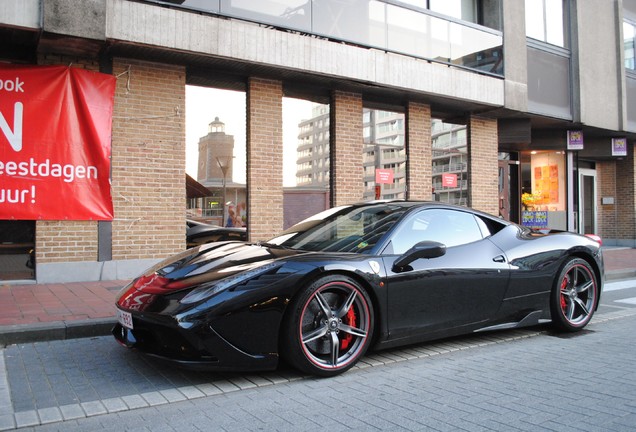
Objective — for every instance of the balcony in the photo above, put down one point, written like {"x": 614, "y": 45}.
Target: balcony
{"x": 381, "y": 24}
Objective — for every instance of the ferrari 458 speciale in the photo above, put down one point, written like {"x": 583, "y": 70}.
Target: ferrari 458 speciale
{"x": 369, "y": 275}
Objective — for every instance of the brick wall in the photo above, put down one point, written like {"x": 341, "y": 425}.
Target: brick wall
{"x": 264, "y": 158}
{"x": 62, "y": 241}
{"x": 148, "y": 160}
{"x": 419, "y": 151}
{"x": 347, "y": 171}
{"x": 626, "y": 195}
{"x": 606, "y": 182}
{"x": 482, "y": 164}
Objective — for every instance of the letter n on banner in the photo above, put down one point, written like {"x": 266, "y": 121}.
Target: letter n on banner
{"x": 55, "y": 143}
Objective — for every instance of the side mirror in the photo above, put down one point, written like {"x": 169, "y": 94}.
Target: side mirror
{"x": 425, "y": 249}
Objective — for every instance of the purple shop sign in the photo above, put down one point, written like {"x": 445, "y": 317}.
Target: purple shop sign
{"x": 619, "y": 146}
{"x": 575, "y": 140}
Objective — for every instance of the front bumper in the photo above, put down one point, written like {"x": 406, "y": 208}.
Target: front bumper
{"x": 198, "y": 348}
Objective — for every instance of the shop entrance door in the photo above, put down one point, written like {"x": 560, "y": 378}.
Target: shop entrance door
{"x": 587, "y": 201}
{"x": 509, "y": 187}
{"x": 504, "y": 189}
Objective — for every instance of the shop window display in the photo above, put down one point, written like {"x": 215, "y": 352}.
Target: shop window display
{"x": 543, "y": 196}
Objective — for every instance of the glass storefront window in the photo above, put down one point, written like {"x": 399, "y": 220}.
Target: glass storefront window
{"x": 306, "y": 159}
{"x": 384, "y": 155}
{"x": 450, "y": 163}
{"x": 215, "y": 154}
{"x": 543, "y": 198}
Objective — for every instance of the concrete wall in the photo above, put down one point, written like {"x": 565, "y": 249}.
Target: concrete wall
{"x": 86, "y": 18}
{"x": 515, "y": 57}
{"x": 599, "y": 63}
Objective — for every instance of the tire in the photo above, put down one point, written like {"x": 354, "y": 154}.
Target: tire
{"x": 328, "y": 326}
{"x": 574, "y": 296}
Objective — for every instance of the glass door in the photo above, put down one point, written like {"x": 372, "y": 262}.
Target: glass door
{"x": 587, "y": 201}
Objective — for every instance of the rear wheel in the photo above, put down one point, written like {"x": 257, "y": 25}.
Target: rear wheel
{"x": 328, "y": 327}
{"x": 574, "y": 296}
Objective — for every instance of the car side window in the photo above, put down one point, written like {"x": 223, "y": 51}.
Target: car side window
{"x": 449, "y": 227}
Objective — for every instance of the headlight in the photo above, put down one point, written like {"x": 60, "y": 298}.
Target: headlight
{"x": 208, "y": 290}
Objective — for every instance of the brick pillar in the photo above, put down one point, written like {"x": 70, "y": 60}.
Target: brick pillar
{"x": 607, "y": 214}
{"x": 483, "y": 171}
{"x": 419, "y": 152}
{"x": 347, "y": 171}
{"x": 626, "y": 197}
{"x": 148, "y": 160}
{"x": 264, "y": 158}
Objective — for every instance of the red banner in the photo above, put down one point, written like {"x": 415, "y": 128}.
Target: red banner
{"x": 55, "y": 134}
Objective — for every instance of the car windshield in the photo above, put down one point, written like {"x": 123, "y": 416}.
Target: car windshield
{"x": 342, "y": 229}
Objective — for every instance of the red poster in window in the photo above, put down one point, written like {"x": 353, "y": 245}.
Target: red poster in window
{"x": 55, "y": 134}
{"x": 449, "y": 180}
{"x": 383, "y": 176}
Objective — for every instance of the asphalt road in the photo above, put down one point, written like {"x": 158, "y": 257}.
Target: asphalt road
{"x": 527, "y": 380}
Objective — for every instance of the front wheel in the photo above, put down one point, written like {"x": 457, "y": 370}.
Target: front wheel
{"x": 574, "y": 296}
{"x": 328, "y": 327}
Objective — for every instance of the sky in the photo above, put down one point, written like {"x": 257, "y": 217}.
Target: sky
{"x": 203, "y": 104}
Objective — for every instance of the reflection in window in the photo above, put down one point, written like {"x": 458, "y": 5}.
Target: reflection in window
{"x": 545, "y": 21}
{"x": 215, "y": 154}
{"x": 450, "y": 163}
{"x": 305, "y": 159}
{"x": 629, "y": 31}
{"x": 384, "y": 156}
{"x": 465, "y": 10}
{"x": 449, "y": 227}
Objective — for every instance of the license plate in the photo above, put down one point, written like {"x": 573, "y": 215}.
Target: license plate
{"x": 125, "y": 319}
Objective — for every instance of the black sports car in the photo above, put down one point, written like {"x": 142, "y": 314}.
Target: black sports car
{"x": 376, "y": 274}
{"x": 198, "y": 233}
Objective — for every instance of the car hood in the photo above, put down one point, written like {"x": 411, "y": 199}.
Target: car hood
{"x": 207, "y": 263}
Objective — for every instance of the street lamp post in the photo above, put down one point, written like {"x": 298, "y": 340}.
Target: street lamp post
{"x": 224, "y": 165}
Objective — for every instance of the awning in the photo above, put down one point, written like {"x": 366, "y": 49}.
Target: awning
{"x": 194, "y": 189}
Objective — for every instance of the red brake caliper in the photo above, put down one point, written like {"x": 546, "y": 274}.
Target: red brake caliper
{"x": 564, "y": 285}
{"x": 350, "y": 320}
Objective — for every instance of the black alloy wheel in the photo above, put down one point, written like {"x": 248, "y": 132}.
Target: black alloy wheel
{"x": 574, "y": 296}
{"x": 329, "y": 326}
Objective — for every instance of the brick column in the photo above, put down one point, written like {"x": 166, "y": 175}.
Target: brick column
{"x": 418, "y": 152}
{"x": 483, "y": 171}
{"x": 347, "y": 171}
{"x": 264, "y": 158}
{"x": 626, "y": 197}
{"x": 148, "y": 160}
{"x": 607, "y": 214}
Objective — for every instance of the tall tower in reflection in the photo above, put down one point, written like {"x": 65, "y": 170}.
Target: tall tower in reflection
{"x": 216, "y": 151}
